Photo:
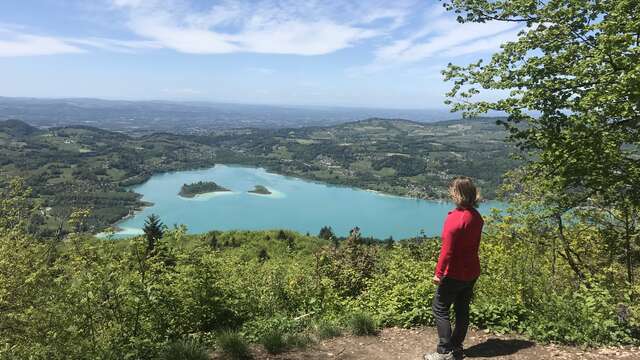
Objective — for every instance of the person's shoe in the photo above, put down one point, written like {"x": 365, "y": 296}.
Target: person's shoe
{"x": 438, "y": 356}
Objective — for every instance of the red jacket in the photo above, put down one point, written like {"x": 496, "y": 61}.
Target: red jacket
{"x": 460, "y": 242}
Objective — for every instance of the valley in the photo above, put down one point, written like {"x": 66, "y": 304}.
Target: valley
{"x": 85, "y": 167}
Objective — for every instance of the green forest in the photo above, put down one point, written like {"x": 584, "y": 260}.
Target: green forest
{"x": 560, "y": 264}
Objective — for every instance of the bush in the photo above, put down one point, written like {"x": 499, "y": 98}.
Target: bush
{"x": 362, "y": 324}
{"x": 400, "y": 293}
{"x": 586, "y": 316}
{"x": 234, "y": 346}
{"x": 298, "y": 341}
{"x": 184, "y": 350}
{"x": 274, "y": 342}
{"x": 350, "y": 267}
{"x": 327, "y": 330}
{"x": 498, "y": 316}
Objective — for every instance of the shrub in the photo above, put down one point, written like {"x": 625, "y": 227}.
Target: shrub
{"x": 234, "y": 346}
{"x": 274, "y": 342}
{"x": 350, "y": 267}
{"x": 327, "y": 330}
{"x": 184, "y": 350}
{"x": 362, "y": 324}
{"x": 298, "y": 341}
{"x": 400, "y": 293}
{"x": 586, "y": 316}
{"x": 498, "y": 316}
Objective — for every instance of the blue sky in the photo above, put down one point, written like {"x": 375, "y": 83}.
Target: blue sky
{"x": 346, "y": 53}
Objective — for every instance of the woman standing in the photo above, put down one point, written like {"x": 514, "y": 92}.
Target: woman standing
{"x": 458, "y": 268}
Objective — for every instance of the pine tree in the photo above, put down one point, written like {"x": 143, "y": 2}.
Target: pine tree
{"x": 326, "y": 233}
{"x": 263, "y": 255}
{"x": 290, "y": 243}
{"x": 153, "y": 231}
{"x": 213, "y": 240}
{"x": 389, "y": 242}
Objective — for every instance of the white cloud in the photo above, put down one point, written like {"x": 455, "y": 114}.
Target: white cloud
{"x": 443, "y": 37}
{"x": 19, "y": 41}
{"x": 399, "y": 33}
{"x": 13, "y": 44}
{"x": 124, "y": 46}
{"x": 450, "y": 39}
{"x": 491, "y": 43}
{"x": 264, "y": 26}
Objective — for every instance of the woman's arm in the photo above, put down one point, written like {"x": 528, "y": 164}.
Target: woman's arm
{"x": 449, "y": 234}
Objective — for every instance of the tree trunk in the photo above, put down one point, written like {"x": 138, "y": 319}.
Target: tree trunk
{"x": 567, "y": 250}
{"x": 627, "y": 235}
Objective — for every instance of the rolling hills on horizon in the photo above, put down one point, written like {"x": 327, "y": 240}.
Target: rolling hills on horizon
{"x": 190, "y": 117}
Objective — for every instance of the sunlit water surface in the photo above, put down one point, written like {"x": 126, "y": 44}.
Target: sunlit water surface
{"x": 295, "y": 204}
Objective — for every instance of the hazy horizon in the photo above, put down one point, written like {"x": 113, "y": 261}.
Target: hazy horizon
{"x": 442, "y": 108}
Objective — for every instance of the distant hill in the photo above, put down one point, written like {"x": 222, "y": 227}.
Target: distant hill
{"x": 17, "y": 128}
{"x": 144, "y": 117}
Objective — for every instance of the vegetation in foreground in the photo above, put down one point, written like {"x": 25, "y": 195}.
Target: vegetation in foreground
{"x": 168, "y": 292}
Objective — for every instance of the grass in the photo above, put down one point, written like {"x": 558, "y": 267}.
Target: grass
{"x": 327, "y": 330}
{"x": 362, "y": 324}
{"x": 299, "y": 341}
{"x": 234, "y": 346}
{"x": 277, "y": 341}
{"x": 184, "y": 350}
{"x": 274, "y": 342}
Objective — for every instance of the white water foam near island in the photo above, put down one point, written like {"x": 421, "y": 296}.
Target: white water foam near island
{"x": 295, "y": 204}
{"x": 208, "y": 196}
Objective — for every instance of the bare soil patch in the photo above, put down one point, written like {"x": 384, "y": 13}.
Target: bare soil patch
{"x": 412, "y": 344}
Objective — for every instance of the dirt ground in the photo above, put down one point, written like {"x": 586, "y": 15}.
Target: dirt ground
{"x": 411, "y": 344}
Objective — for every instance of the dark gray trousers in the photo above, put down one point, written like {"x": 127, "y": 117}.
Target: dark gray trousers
{"x": 457, "y": 293}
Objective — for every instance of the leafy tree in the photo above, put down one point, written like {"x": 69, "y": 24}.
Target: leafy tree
{"x": 153, "y": 230}
{"x": 573, "y": 81}
{"x": 16, "y": 207}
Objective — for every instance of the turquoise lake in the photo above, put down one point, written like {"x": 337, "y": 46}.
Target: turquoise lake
{"x": 295, "y": 204}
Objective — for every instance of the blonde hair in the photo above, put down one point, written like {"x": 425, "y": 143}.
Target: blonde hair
{"x": 463, "y": 192}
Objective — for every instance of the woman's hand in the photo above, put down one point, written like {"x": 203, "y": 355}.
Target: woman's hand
{"x": 436, "y": 280}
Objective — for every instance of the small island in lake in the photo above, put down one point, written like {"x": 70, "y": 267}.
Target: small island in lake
{"x": 261, "y": 190}
{"x": 201, "y": 187}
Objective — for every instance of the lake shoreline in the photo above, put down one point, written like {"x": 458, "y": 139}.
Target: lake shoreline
{"x": 311, "y": 203}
